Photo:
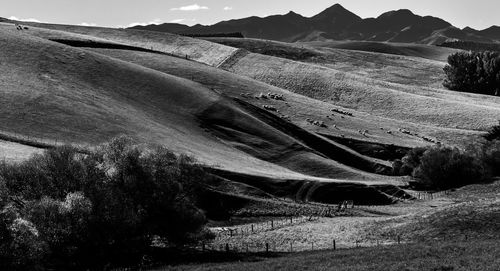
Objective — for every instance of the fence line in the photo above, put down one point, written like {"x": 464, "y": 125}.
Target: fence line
{"x": 291, "y": 246}
{"x": 427, "y": 195}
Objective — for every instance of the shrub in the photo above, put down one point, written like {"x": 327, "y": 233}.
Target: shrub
{"x": 489, "y": 153}
{"x": 442, "y": 168}
{"x": 493, "y": 133}
{"x": 409, "y": 162}
{"x": 476, "y": 72}
{"x": 108, "y": 205}
{"x": 20, "y": 245}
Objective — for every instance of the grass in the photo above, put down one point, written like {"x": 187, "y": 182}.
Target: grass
{"x": 390, "y": 100}
{"x": 79, "y": 96}
{"x": 404, "y": 49}
{"x": 88, "y": 95}
{"x": 198, "y": 50}
{"x": 449, "y": 255}
{"x": 458, "y": 231}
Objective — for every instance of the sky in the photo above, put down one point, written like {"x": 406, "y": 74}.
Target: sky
{"x": 478, "y": 14}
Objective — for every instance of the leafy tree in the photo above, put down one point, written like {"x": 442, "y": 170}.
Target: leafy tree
{"x": 476, "y": 72}
{"x": 444, "y": 167}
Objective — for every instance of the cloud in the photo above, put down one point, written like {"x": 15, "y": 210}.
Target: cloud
{"x": 88, "y": 24}
{"x": 14, "y": 18}
{"x": 176, "y": 21}
{"x": 185, "y": 21}
{"x": 155, "y": 21}
{"x": 194, "y": 7}
{"x": 228, "y": 8}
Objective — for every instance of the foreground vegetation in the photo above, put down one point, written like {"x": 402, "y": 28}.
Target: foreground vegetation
{"x": 67, "y": 210}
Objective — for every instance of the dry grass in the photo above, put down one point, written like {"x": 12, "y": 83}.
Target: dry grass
{"x": 404, "y": 49}
{"x": 198, "y": 50}
{"x": 396, "y": 101}
{"x": 78, "y": 96}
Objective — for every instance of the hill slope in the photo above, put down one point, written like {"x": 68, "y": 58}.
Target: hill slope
{"x": 83, "y": 97}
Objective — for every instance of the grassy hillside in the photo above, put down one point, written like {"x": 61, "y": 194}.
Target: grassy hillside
{"x": 455, "y": 231}
{"x": 205, "y": 52}
{"x": 452, "y": 255}
{"x": 397, "y": 70}
{"x": 401, "y": 69}
{"x": 140, "y": 83}
{"x": 405, "y": 49}
{"x": 82, "y": 97}
{"x": 443, "y": 109}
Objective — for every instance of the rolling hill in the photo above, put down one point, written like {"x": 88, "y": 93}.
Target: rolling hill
{"x": 87, "y": 95}
{"x": 338, "y": 23}
{"x": 330, "y": 130}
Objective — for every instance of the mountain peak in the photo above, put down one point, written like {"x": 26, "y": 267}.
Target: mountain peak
{"x": 292, "y": 13}
{"x": 338, "y": 6}
{"x": 337, "y": 9}
{"x": 337, "y": 12}
{"x": 397, "y": 13}
{"x": 469, "y": 29}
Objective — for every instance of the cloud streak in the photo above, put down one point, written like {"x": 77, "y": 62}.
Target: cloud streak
{"x": 194, "y": 7}
{"x": 33, "y": 20}
{"x": 155, "y": 21}
{"x": 228, "y": 8}
{"x": 88, "y": 24}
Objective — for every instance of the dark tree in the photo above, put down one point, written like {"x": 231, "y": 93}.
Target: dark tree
{"x": 476, "y": 72}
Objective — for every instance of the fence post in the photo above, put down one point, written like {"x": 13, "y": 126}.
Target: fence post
{"x": 247, "y": 247}
{"x": 291, "y": 219}
{"x": 291, "y": 246}
{"x": 312, "y": 245}
{"x": 334, "y": 245}
{"x": 272, "y": 224}
{"x": 227, "y": 247}
{"x": 252, "y": 228}
{"x": 399, "y": 239}
{"x": 267, "y": 247}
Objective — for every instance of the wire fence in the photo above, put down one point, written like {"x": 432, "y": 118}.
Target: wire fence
{"x": 286, "y": 246}
{"x": 419, "y": 195}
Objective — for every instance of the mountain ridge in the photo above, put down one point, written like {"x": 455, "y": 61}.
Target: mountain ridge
{"x": 338, "y": 23}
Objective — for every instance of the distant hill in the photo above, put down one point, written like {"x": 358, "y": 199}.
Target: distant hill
{"x": 338, "y": 23}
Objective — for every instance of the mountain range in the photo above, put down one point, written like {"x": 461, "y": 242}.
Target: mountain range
{"x": 338, "y": 23}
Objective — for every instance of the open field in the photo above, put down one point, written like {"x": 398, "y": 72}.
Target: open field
{"x": 456, "y": 231}
{"x": 480, "y": 255}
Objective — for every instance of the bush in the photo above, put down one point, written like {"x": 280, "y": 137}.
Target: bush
{"x": 440, "y": 167}
{"x": 493, "y": 133}
{"x": 105, "y": 206}
{"x": 444, "y": 168}
{"x": 489, "y": 153}
{"x": 476, "y": 72}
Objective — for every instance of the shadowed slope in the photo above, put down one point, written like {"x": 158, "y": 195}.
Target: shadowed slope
{"x": 87, "y": 98}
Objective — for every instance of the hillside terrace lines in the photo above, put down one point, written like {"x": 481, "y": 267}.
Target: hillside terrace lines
{"x": 194, "y": 49}
{"x": 371, "y": 96}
